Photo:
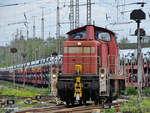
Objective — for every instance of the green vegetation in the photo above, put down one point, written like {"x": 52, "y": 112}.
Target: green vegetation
{"x": 130, "y": 90}
{"x": 132, "y": 45}
{"x": 19, "y": 94}
{"x": 124, "y": 41}
{"x": 125, "y": 44}
{"x": 133, "y": 107}
{"x": 145, "y": 106}
{"x": 146, "y": 91}
{"x": 110, "y": 110}
{"x": 2, "y": 110}
{"x": 32, "y": 49}
{"x": 15, "y": 92}
{"x": 130, "y": 106}
{"x": 28, "y": 91}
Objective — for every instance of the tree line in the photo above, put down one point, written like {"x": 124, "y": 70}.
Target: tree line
{"x": 28, "y": 50}
{"x": 32, "y": 49}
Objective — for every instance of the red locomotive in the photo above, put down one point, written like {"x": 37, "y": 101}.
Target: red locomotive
{"x": 90, "y": 66}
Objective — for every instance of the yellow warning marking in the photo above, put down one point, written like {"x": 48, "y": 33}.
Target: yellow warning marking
{"x": 78, "y": 89}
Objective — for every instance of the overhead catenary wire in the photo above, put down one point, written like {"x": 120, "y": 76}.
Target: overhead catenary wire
{"x": 71, "y": 15}
{"x": 89, "y": 12}
{"x": 42, "y": 23}
{"x": 49, "y": 11}
{"x": 77, "y": 14}
{"x": 58, "y": 28}
{"x": 34, "y": 33}
{"x": 22, "y": 3}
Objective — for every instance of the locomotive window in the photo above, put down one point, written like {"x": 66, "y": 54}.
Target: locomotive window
{"x": 78, "y": 35}
{"x": 85, "y": 50}
{"x": 104, "y": 36}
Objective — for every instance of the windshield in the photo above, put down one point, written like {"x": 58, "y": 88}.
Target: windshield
{"x": 79, "y": 35}
{"x": 104, "y": 36}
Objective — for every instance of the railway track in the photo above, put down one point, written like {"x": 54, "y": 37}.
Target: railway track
{"x": 62, "y": 109}
{"x": 76, "y": 109}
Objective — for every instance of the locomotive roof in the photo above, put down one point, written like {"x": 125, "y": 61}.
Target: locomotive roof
{"x": 80, "y": 28}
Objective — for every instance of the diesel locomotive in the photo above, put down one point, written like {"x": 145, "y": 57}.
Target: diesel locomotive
{"x": 90, "y": 66}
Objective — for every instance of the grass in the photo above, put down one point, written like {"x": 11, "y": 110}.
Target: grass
{"x": 28, "y": 91}
{"x": 130, "y": 90}
{"x": 19, "y": 91}
{"x": 23, "y": 92}
{"x": 15, "y": 92}
{"x": 110, "y": 110}
{"x": 2, "y": 110}
{"x": 146, "y": 105}
{"x": 134, "y": 107}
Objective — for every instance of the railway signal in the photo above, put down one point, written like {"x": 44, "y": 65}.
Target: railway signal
{"x": 54, "y": 74}
{"x": 138, "y": 15}
{"x": 23, "y": 54}
{"x": 13, "y": 50}
{"x": 142, "y": 32}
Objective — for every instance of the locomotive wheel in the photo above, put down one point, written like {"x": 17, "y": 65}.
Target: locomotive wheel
{"x": 84, "y": 102}
{"x": 72, "y": 102}
{"x": 96, "y": 102}
{"x": 102, "y": 102}
{"x": 80, "y": 102}
{"x": 109, "y": 100}
{"x": 67, "y": 103}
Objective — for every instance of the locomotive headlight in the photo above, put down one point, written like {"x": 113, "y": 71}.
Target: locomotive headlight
{"x": 79, "y": 43}
{"x": 54, "y": 76}
{"x": 78, "y": 69}
{"x": 102, "y": 75}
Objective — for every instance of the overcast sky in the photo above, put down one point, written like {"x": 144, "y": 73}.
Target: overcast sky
{"x": 12, "y": 14}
